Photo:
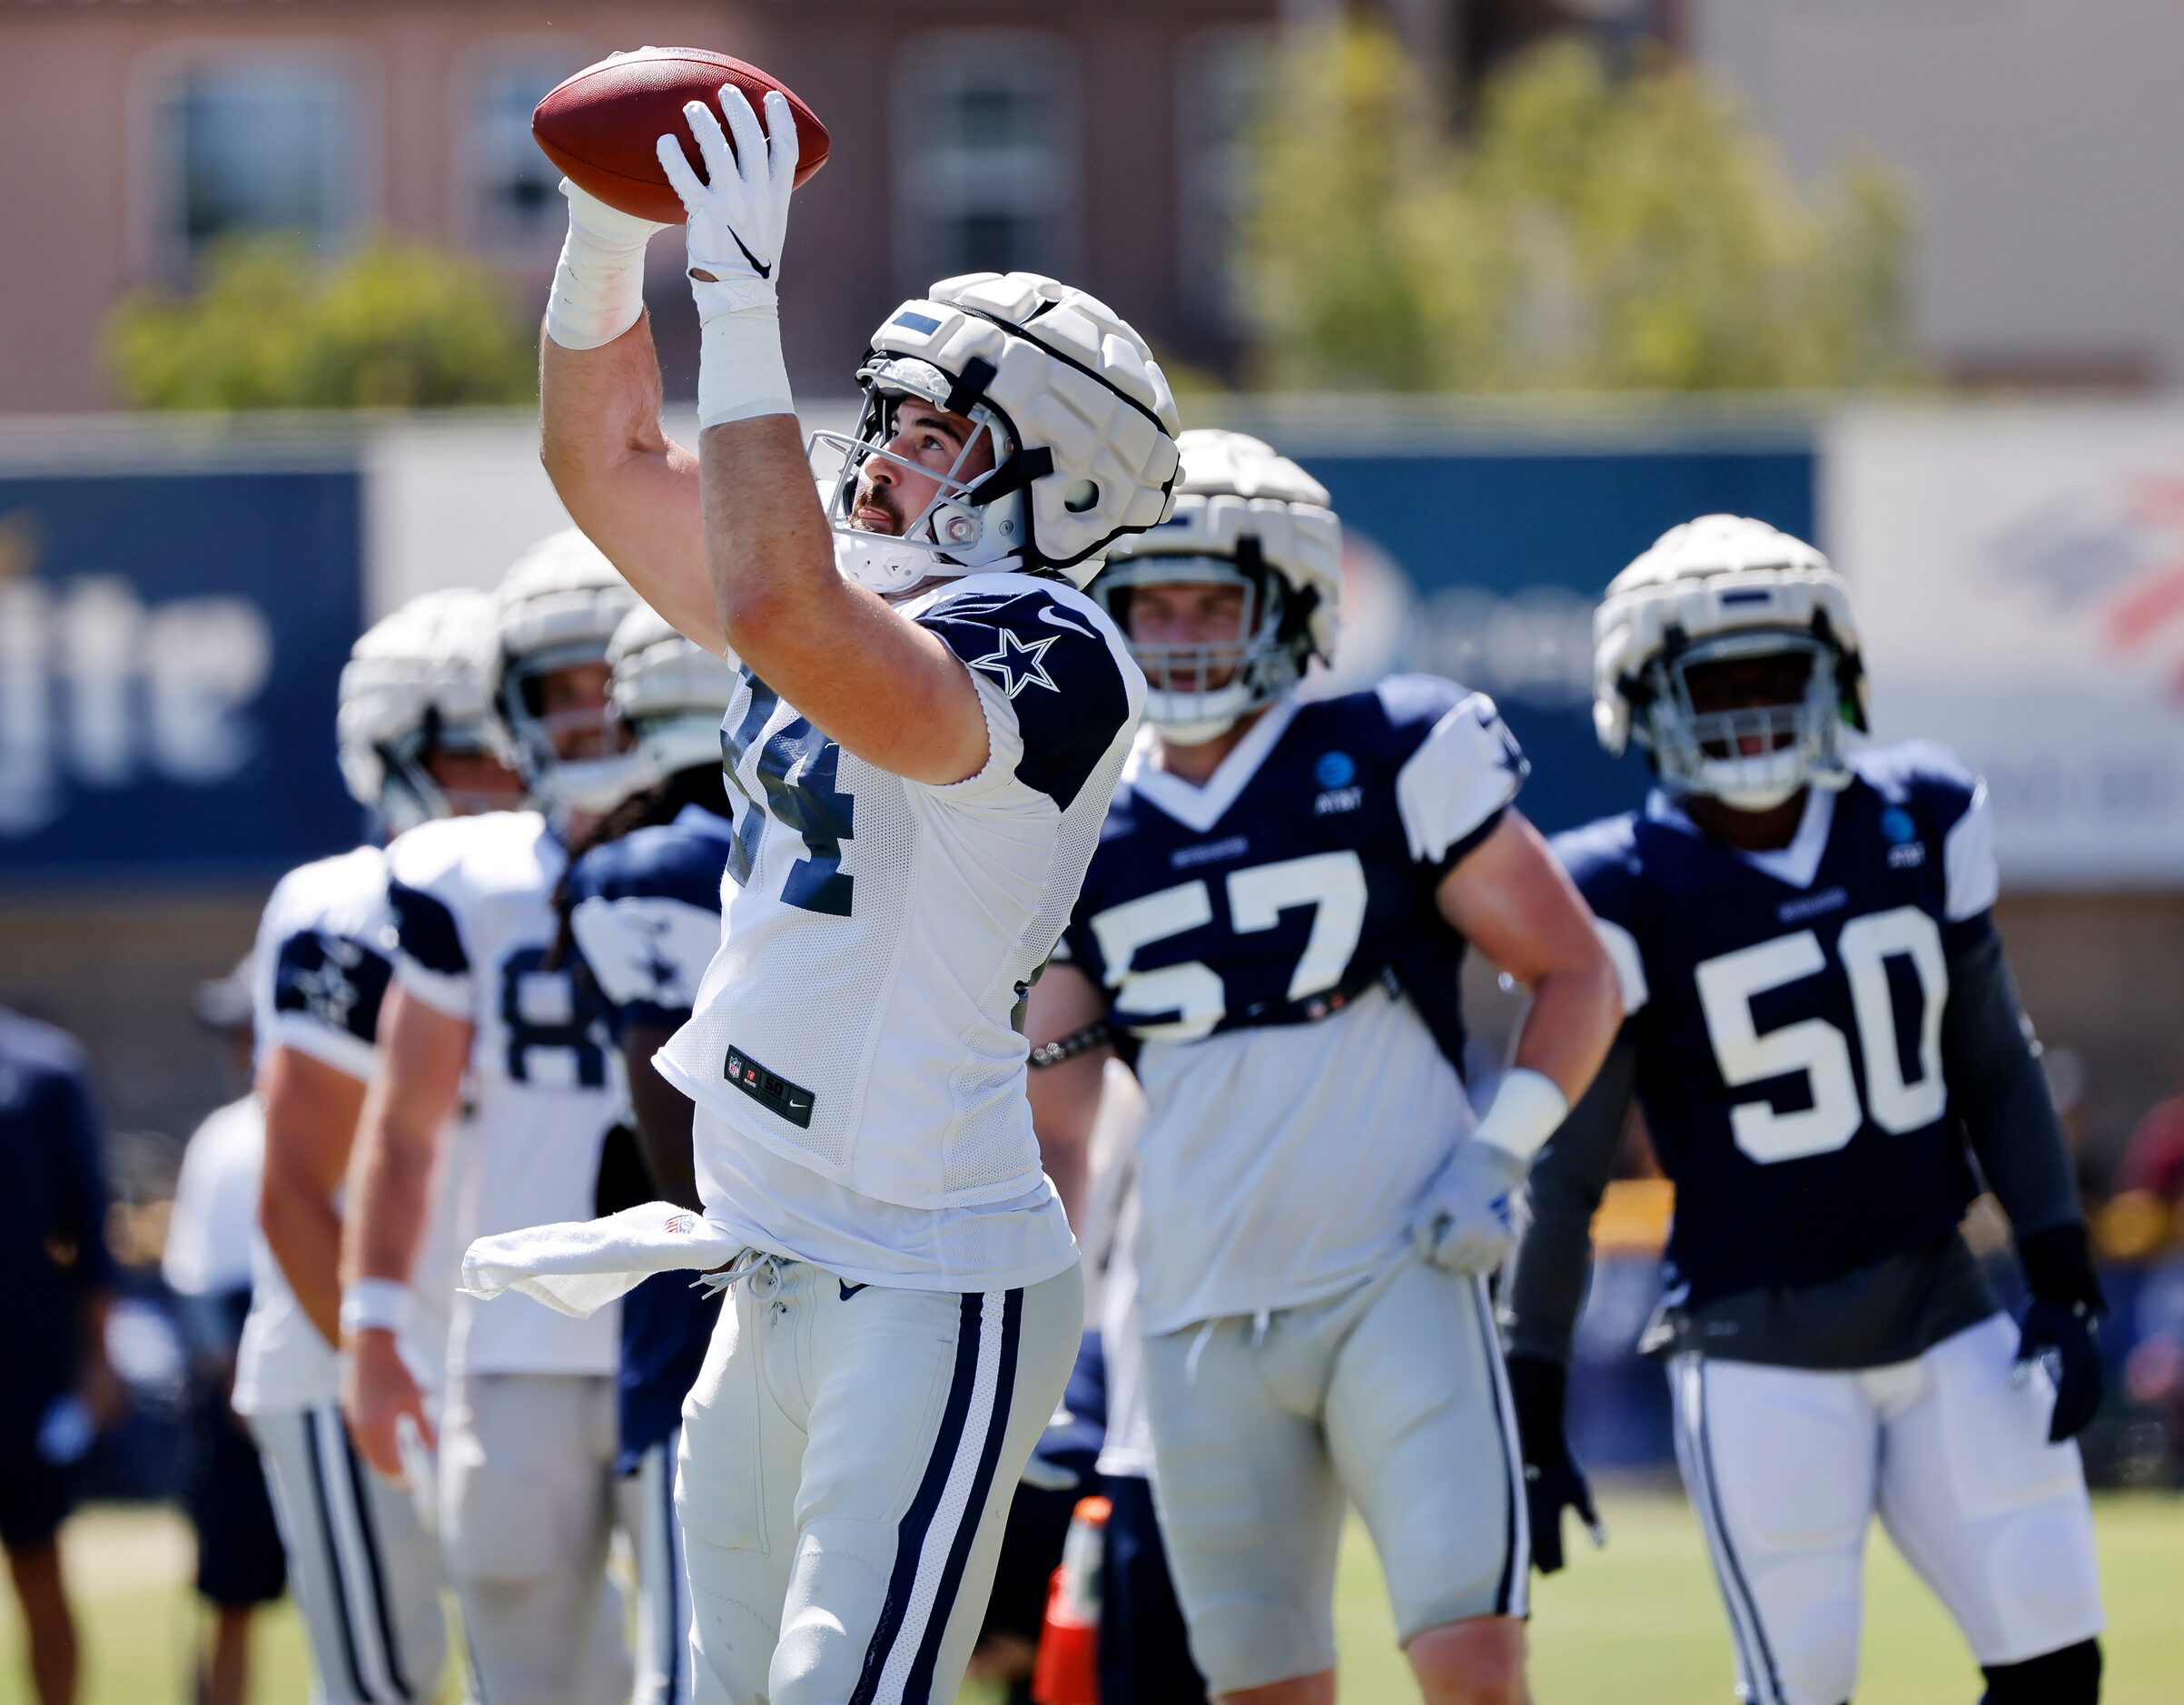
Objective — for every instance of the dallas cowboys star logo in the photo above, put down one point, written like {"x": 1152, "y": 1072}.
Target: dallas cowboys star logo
{"x": 1027, "y": 672}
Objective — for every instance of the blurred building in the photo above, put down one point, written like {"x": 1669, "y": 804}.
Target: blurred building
{"x": 966, "y": 134}
{"x": 1096, "y": 143}
{"x": 2041, "y": 140}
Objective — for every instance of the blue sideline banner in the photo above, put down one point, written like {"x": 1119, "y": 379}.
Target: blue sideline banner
{"x": 169, "y": 640}
{"x": 1484, "y": 564}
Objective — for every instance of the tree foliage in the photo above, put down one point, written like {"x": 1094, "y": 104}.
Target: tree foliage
{"x": 394, "y": 325}
{"x": 1586, "y": 231}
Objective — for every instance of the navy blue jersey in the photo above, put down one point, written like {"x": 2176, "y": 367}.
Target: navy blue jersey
{"x": 1303, "y": 873}
{"x": 53, "y": 1207}
{"x": 646, "y": 917}
{"x": 1786, "y": 1013}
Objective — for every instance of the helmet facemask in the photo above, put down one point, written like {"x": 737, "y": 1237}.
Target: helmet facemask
{"x": 607, "y": 768}
{"x": 1197, "y": 691}
{"x": 1750, "y": 756}
{"x": 974, "y": 522}
{"x": 410, "y": 793}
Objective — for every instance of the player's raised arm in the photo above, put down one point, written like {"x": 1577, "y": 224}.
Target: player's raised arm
{"x": 630, "y": 487}
{"x": 886, "y": 689}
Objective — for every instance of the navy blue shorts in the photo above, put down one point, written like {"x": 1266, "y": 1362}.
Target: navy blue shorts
{"x": 1145, "y": 1646}
{"x": 35, "y": 1496}
{"x": 240, "y": 1560}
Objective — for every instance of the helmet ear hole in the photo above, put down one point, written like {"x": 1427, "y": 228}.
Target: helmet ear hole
{"x": 1081, "y": 496}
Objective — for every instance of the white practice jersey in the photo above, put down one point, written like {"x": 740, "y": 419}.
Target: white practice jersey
{"x": 214, "y": 1218}
{"x": 318, "y": 974}
{"x": 856, "y": 1038}
{"x": 474, "y": 928}
{"x": 1271, "y": 942}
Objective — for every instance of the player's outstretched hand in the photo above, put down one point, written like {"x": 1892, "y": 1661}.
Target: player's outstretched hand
{"x": 739, "y": 214}
{"x": 1463, "y": 1225}
{"x": 2064, "y": 1339}
{"x": 378, "y": 1392}
{"x": 1553, "y": 1481}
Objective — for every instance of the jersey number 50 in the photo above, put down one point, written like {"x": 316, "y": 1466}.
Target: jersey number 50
{"x": 1819, "y": 1050}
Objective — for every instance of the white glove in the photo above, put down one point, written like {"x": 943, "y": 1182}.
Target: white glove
{"x": 739, "y": 215}
{"x": 1463, "y": 1225}
{"x": 599, "y": 285}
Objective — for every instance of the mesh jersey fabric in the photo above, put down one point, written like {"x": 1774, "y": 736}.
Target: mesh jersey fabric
{"x": 474, "y": 926}
{"x": 859, "y": 1020}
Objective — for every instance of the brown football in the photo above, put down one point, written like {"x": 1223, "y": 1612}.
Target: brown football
{"x": 602, "y": 126}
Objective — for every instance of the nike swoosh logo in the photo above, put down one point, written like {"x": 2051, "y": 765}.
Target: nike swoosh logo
{"x": 849, "y": 1290}
{"x": 1053, "y": 617}
{"x": 763, "y": 268}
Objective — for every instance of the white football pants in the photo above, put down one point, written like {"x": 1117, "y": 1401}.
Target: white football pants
{"x": 364, "y": 1573}
{"x": 1788, "y": 1466}
{"x": 849, "y": 1452}
{"x": 527, "y": 1500}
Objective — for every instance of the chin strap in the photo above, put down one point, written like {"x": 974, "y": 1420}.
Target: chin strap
{"x": 1013, "y": 475}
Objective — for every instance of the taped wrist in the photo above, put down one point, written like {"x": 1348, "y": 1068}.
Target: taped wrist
{"x": 598, "y": 289}
{"x": 1528, "y": 1109}
{"x": 2059, "y": 1266}
{"x": 374, "y": 1305}
{"x": 740, "y": 372}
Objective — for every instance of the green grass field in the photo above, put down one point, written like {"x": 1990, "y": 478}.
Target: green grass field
{"x": 1636, "y": 1624}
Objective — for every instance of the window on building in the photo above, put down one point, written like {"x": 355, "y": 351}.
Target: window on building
{"x": 986, "y": 134}
{"x": 1219, "y": 75}
{"x": 259, "y": 145}
{"x": 515, "y": 189}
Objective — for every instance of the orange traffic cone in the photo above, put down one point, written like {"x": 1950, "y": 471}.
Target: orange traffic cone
{"x": 1068, "y": 1672}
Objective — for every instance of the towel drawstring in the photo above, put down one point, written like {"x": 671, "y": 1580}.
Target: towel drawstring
{"x": 764, "y": 1271}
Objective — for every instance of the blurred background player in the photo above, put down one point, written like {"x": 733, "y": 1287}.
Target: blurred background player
{"x": 413, "y": 736}
{"x": 1274, "y": 920}
{"x": 923, "y": 779}
{"x": 57, "y": 1276}
{"x": 207, "y": 1265}
{"x": 527, "y": 1440}
{"x": 644, "y": 910}
{"x": 1826, "y": 1040}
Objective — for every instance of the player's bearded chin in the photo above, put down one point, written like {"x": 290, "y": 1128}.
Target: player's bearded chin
{"x": 875, "y": 497}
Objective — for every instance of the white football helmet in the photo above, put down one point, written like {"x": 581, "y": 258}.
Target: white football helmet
{"x": 1079, "y": 416}
{"x": 1245, "y": 516}
{"x": 415, "y": 684}
{"x": 670, "y": 691}
{"x": 1719, "y": 589}
{"x": 556, "y": 609}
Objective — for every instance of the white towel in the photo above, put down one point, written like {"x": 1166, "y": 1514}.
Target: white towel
{"x": 579, "y": 1266}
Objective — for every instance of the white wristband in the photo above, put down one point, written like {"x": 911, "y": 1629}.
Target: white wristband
{"x": 1528, "y": 1109}
{"x": 598, "y": 289}
{"x": 374, "y": 1305}
{"x": 740, "y": 372}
